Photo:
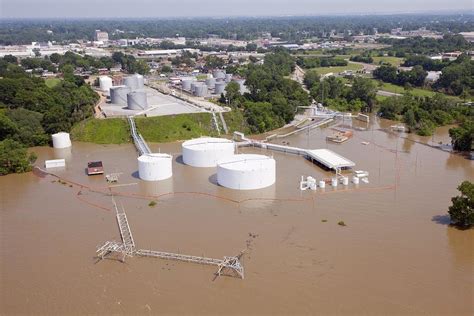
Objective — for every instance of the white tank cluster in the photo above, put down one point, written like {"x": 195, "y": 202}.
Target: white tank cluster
{"x": 155, "y": 167}
{"x": 206, "y": 151}
{"x": 136, "y": 100}
{"x": 61, "y": 140}
{"x": 246, "y": 172}
{"x": 105, "y": 83}
{"x": 118, "y": 94}
{"x": 134, "y": 82}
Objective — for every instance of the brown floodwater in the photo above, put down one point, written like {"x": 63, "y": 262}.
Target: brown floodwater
{"x": 397, "y": 254}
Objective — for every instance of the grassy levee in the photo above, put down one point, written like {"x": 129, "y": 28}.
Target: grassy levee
{"x": 170, "y": 128}
{"x": 235, "y": 121}
{"x": 102, "y": 131}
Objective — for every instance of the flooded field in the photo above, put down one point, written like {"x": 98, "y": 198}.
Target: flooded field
{"x": 397, "y": 254}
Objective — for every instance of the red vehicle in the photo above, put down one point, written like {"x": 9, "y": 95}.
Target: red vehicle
{"x": 95, "y": 167}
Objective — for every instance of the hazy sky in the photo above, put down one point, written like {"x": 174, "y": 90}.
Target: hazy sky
{"x": 174, "y": 8}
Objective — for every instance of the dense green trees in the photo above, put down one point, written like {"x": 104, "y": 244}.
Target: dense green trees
{"x": 130, "y": 64}
{"x": 362, "y": 59}
{"x": 30, "y": 110}
{"x": 273, "y": 99}
{"x": 423, "y": 114}
{"x": 333, "y": 92}
{"x": 14, "y": 158}
{"x": 458, "y": 77}
{"x": 427, "y": 45}
{"x": 314, "y": 62}
{"x": 462, "y": 210}
{"x": 388, "y": 73}
{"x": 462, "y": 137}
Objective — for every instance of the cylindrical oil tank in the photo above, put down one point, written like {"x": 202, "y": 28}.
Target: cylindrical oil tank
{"x": 334, "y": 182}
{"x": 155, "y": 167}
{"x": 61, "y": 140}
{"x": 105, "y": 83}
{"x": 206, "y": 151}
{"x": 140, "y": 81}
{"x": 355, "y": 180}
{"x": 186, "y": 84}
{"x": 218, "y": 74}
{"x": 322, "y": 184}
{"x": 136, "y": 100}
{"x": 219, "y": 88}
{"x": 118, "y": 95}
{"x": 345, "y": 180}
{"x": 228, "y": 77}
{"x": 200, "y": 90}
{"x": 131, "y": 82}
{"x": 211, "y": 82}
{"x": 246, "y": 172}
{"x": 194, "y": 85}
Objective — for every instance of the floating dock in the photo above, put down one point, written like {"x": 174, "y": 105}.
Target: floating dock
{"x": 324, "y": 157}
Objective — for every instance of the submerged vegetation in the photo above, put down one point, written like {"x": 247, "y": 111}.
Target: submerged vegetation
{"x": 423, "y": 114}
{"x": 462, "y": 210}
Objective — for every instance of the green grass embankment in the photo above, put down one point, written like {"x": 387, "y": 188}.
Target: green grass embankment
{"x": 170, "y": 128}
{"x": 153, "y": 129}
{"x": 102, "y": 131}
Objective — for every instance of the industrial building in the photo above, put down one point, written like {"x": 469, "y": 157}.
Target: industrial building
{"x": 206, "y": 151}
{"x": 246, "y": 172}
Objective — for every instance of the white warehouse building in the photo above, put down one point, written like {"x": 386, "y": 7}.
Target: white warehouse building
{"x": 206, "y": 151}
{"x": 246, "y": 172}
{"x": 155, "y": 167}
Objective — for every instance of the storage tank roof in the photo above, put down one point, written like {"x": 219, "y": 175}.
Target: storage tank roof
{"x": 153, "y": 157}
{"x": 205, "y": 143}
{"x": 245, "y": 162}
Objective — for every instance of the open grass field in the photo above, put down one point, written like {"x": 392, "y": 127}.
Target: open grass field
{"x": 394, "y": 61}
{"x": 52, "y": 82}
{"x": 338, "y": 69}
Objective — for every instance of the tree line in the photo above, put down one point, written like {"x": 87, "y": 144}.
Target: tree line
{"x": 30, "y": 111}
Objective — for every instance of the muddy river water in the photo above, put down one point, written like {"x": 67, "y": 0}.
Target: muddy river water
{"x": 397, "y": 254}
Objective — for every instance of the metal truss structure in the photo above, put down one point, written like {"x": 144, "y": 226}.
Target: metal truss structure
{"x": 227, "y": 266}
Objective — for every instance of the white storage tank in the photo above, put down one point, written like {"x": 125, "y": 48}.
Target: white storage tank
{"x": 355, "y": 180}
{"x": 61, "y": 140}
{"x": 200, "y": 90}
{"x": 105, "y": 83}
{"x": 140, "y": 81}
{"x": 206, "y": 151}
{"x": 136, "y": 100}
{"x": 186, "y": 84}
{"x": 334, "y": 182}
{"x": 218, "y": 74}
{"x": 155, "y": 167}
{"x": 246, "y": 172}
{"x": 219, "y": 88}
{"x": 322, "y": 184}
{"x": 131, "y": 82}
{"x": 211, "y": 82}
{"x": 118, "y": 95}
